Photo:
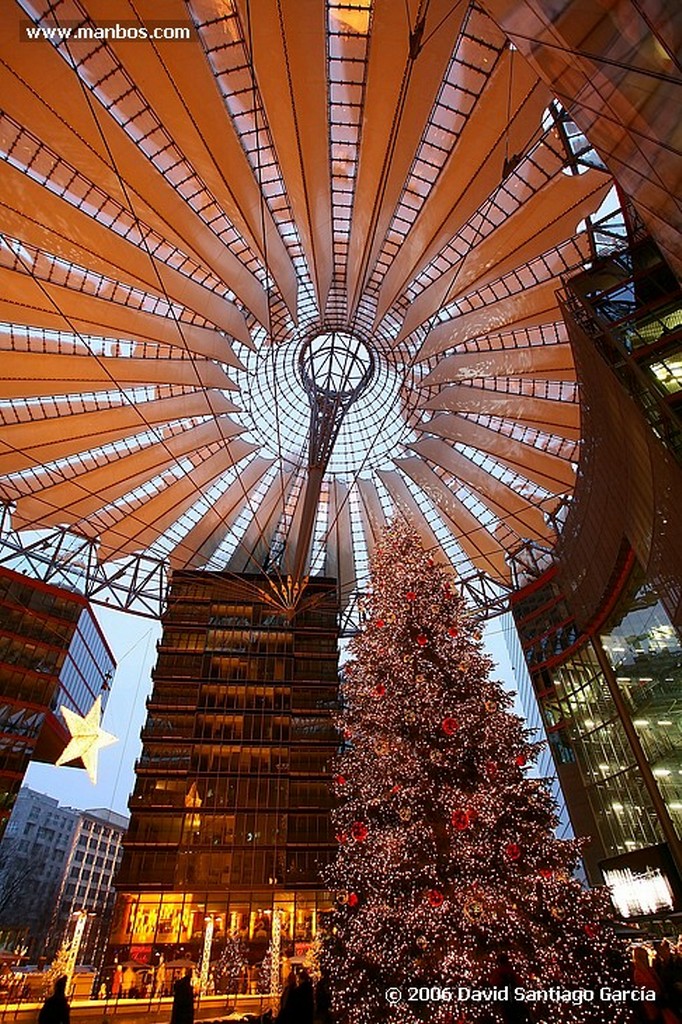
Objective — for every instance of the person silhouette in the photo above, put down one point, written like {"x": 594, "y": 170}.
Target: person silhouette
{"x": 304, "y": 999}
{"x": 55, "y": 1009}
{"x": 183, "y": 1000}
{"x": 504, "y": 976}
{"x": 287, "y": 1007}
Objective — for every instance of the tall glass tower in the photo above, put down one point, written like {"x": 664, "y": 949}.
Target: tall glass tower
{"x": 601, "y": 627}
{"x": 229, "y": 816}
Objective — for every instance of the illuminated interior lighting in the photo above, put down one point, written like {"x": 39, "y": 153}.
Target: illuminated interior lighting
{"x": 636, "y": 894}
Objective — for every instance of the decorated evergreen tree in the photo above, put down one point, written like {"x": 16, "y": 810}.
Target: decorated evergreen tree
{"x": 231, "y": 964}
{"x": 447, "y": 862}
{"x": 61, "y": 965}
{"x": 265, "y": 972}
{"x": 64, "y": 962}
{"x": 311, "y": 960}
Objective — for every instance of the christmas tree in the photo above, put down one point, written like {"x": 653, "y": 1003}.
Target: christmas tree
{"x": 265, "y": 973}
{"x": 229, "y": 969}
{"x": 447, "y": 862}
{"x": 61, "y": 965}
{"x": 311, "y": 960}
{"x": 64, "y": 962}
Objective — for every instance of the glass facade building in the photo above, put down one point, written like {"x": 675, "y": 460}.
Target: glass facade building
{"x": 528, "y": 706}
{"x": 600, "y": 624}
{"x": 610, "y": 703}
{"x": 630, "y": 304}
{"x": 229, "y": 816}
{"x": 52, "y": 653}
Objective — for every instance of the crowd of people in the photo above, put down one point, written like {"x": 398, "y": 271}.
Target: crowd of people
{"x": 303, "y": 1003}
{"x": 655, "y": 967}
{"x": 659, "y": 967}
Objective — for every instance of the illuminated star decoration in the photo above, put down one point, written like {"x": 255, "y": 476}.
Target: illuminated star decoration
{"x": 87, "y": 738}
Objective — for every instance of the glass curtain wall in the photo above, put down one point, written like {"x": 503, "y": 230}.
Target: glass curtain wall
{"x": 611, "y": 703}
{"x": 230, "y": 813}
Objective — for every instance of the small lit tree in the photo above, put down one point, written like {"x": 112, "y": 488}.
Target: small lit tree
{"x": 231, "y": 964}
{"x": 60, "y": 965}
{"x": 447, "y": 855}
{"x": 265, "y": 972}
{"x": 311, "y": 961}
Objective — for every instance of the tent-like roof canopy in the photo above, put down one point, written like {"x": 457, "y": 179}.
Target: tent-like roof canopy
{"x": 264, "y": 286}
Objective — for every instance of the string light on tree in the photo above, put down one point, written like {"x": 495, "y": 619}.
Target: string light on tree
{"x": 66, "y": 957}
{"x": 231, "y": 964}
{"x": 264, "y": 983}
{"x": 447, "y": 855}
{"x": 311, "y": 960}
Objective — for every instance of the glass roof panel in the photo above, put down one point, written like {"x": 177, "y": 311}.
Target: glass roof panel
{"x": 405, "y": 205}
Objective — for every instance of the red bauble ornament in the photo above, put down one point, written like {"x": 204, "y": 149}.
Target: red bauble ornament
{"x": 359, "y": 831}
{"x": 591, "y": 930}
{"x": 436, "y": 898}
{"x": 379, "y": 690}
{"x": 396, "y": 789}
{"x": 491, "y": 769}
{"x": 340, "y": 780}
{"x": 347, "y": 734}
{"x": 461, "y": 820}
{"x": 521, "y": 760}
{"x": 449, "y": 726}
{"x": 341, "y": 838}
{"x": 380, "y": 623}
{"x": 410, "y": 595}
{"x": 546, "y": 873}
{"x": 513, "y": 851}
{"x": 422, "y": 639}
{"x": 353, "y": 899}
{"x": 453, "y": 631}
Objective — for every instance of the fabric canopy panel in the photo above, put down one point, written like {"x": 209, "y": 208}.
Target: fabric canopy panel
{"x": 185, "y": 219}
